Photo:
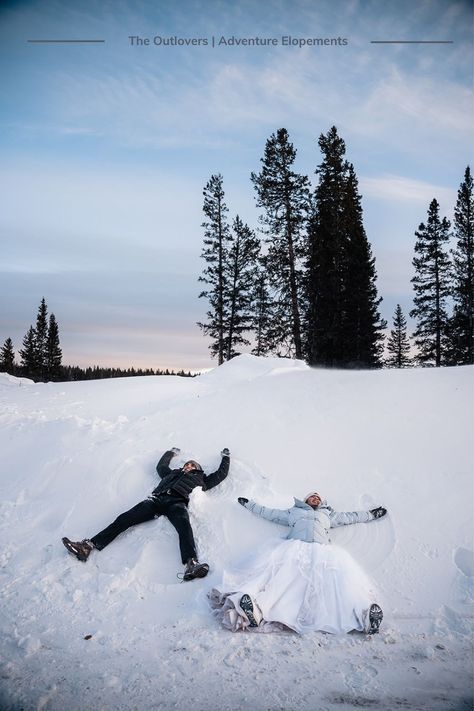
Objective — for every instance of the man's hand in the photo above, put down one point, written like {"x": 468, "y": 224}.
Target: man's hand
{"x": 242, "y": 500}
{"x": 175, "y": 450}
{"x": 225, "y": 452}
{"x": 378, "y": 512}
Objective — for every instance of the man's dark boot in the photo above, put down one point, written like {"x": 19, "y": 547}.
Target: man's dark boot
{"x": 81, "y": 549}
{"x": 195, "y": 569}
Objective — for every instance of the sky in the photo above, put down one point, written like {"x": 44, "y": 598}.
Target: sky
{"x": 106, "y": 147}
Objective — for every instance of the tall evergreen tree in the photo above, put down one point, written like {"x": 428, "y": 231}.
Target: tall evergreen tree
{"x": 327, "y": 256}
{"x": 461, "y": 325}
{"x": 242, "y": 274}
{"x": 28, "y": 354}
{"x": 398, "y": 344}
{"x": 284, "y": 196}
{"x": 54, "y": 352}
{"x": 7, "y": 357}
{"x": 431, "y": 284}
{"x": 41, "y": 341}
{"x": 217, "y": 239}
{"x": 344, "y": 325}
{"x": 363, "y": 326}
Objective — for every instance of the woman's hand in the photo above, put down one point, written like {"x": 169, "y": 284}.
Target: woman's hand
{"x": 378, "y": 512}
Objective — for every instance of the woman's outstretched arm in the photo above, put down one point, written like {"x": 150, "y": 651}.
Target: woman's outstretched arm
{"x": 280, "y": 516}
{"x": 344, "y": 518}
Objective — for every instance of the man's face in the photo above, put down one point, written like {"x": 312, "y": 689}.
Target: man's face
{"x": 189, "y": 467}
{"x": 314, "y": 500}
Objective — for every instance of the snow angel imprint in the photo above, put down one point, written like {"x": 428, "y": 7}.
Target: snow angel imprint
{"x": 302, "y": 583}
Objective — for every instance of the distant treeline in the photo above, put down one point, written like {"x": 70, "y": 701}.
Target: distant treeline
{"x": 41, "y": 357}
{"x": 74, "y": 372}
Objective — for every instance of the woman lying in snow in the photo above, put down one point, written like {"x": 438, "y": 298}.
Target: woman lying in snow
{"x": 300, "y": 583}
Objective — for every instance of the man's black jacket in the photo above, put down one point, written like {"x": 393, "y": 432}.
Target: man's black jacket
{"x": 182, "y": 483}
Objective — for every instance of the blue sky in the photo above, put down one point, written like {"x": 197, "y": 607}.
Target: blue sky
{"x": 105, "y": 149}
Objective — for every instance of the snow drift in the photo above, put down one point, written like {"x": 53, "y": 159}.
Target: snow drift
{"x": 121, "y": 630}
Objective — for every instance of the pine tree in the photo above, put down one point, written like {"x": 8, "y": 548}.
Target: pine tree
{"x": 41, "y": 341}
{"x": 327, "y": 257}
{"x": 215, "y": 252}
{"x": 363, "y": 326}
{"x": 432, "y": 287}
{"x": 54, "y": 352}
{"x": 241, "y": 275}
{"x": 28, "y": 354}
{"x": 7, "y": 357}
{"x": 344, "y": 324}
{"x": 461, "y": 325}
{"x": 284, "y": 196}
{"x": 398, "y": 344}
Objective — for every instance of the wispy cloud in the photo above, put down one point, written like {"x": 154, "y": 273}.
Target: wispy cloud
{"x": 417, "y": 103}
{"x": 402, "y": 189}
{"x": 228, "y": 100}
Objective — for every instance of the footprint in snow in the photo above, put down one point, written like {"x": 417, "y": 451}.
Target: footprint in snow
{"x": 360, "y": 677}
{"x": 237, "y": 656}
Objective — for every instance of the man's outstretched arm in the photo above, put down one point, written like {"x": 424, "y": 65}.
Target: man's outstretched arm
{"x": 216, "y": 477}
{"x": 163, "y": 466}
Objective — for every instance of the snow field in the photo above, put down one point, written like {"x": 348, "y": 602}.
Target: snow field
{"x": 75, "y": 455}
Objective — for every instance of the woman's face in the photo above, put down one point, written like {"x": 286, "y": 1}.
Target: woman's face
{"x": 314, "y": 500}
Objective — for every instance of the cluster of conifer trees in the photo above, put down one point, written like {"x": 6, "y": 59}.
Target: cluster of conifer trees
{"x": 41, "y": 357}
{"x": 444, "y": 283}
{"x": 444, "y": 290}
{"x": 308, "y": 288}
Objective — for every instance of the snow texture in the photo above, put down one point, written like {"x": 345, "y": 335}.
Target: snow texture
{"x": 122, "y": 632}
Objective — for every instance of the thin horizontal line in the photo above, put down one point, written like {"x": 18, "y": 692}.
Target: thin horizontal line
{"x": 411, "y": 41}
{"x": 60, "y": 41}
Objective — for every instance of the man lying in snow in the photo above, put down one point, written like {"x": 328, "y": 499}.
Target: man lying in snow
{"x": 170, "y": 499}
{"x": 301, "y": 583}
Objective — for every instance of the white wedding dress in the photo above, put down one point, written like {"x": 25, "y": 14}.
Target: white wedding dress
{"x": 297, "y": 585}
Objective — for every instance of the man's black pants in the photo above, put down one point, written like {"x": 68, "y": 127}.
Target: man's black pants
{"x": 172, "y": 507}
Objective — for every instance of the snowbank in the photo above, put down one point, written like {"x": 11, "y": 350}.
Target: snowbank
{"x": 74, "y": 455}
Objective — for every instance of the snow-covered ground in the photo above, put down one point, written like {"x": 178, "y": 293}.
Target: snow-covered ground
{"x": 122, "y": 632}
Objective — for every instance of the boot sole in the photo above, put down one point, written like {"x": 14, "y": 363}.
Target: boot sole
{"x": 247, "y": 606}
{"x": 200, "y": 572}
{"x": 375, "y": 619}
